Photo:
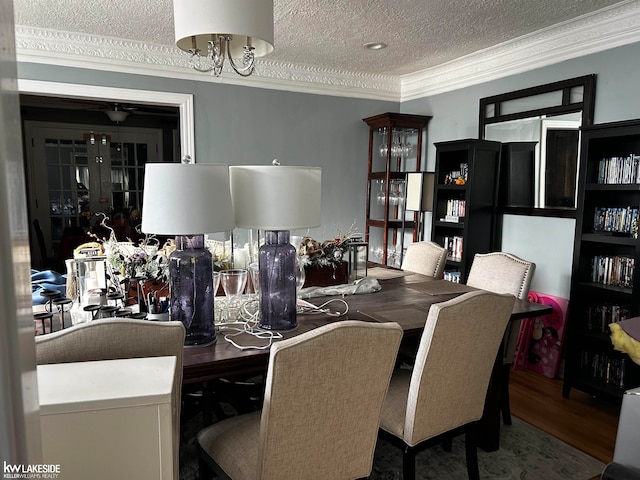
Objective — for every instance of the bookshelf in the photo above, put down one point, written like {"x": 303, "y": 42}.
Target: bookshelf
{"x": 605, "y": 287}
{"x": 465, "y": 201}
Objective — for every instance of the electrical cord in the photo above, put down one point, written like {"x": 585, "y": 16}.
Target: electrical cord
{"x": 306, "y": 307}
{"x": 249, "y": 325}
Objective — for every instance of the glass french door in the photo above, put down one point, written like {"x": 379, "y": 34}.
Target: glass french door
{"x": 77, "y": 171}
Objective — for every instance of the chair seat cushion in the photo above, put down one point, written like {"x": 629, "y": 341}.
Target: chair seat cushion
{"x": 394, "y": 409}
{"x": 233, "y": 444}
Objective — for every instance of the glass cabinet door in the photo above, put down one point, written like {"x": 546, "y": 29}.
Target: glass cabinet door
{"x": 395, "y": 146}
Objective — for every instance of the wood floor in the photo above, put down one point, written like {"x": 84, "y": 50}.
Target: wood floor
{"x": 588, "y": 424}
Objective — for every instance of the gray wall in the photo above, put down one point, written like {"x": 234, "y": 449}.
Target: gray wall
{"x": 546, "y": 241}
{"x": 243, "y": 125}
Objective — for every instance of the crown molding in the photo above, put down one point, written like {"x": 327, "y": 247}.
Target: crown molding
{"x": 605, "y": 29}
{"x": 69, "y": 49}
{"x": 602, "y": 30}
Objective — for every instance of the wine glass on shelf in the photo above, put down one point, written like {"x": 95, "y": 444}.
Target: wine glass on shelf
{"x": 396, "y": 148}
{"x": 393, "y": 196}
{"x": 399, "y": 194}
{"x": 381, "y": 197}
{"x": 383, "y": 142}
{"x": 407, "y": 148}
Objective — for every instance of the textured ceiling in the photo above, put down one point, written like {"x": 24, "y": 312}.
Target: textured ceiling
{"x": 331, "y": 33}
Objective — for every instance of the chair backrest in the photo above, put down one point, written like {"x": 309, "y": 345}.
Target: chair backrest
{"x": 115, "y": 338}
{"x": 427, "y": 258}
{"x": 323, "y": 399}
{"x": 501, "y": 272}
{"x": 454, "y": 362}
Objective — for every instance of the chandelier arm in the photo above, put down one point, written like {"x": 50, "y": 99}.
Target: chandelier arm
{"x": 248, "y": 59}
{"x": 196, "y": 60}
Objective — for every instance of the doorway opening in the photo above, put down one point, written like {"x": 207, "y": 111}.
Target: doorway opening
{"x": 79, "y": 163}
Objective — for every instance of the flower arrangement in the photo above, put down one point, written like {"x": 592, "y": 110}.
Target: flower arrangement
{"x": 326, "y": 253}
{"x": 145, "y": 261}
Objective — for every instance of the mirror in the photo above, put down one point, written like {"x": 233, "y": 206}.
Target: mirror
{"x": 544, "y": 121}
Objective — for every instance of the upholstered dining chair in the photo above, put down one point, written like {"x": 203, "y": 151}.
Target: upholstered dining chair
{"x": 444, "y": 394}
{"x": 321, "y": 409}
{"x": 503, "y": 272}
{"x": 427, "y": 258}
{"x": 116, "y": 338}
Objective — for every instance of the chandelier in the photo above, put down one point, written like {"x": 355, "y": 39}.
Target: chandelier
{"x": 212, "y": 30}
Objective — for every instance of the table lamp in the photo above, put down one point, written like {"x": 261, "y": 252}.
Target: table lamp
{"x": 189, "y": 200}
{"x": 420, "y": 186}
{"x": 276, "y": 199}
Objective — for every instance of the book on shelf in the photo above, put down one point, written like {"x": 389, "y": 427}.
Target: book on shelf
{"x": 454, "y": 247}
{"x": 619, "y": 170}
{"x": 452, "y": 277}
{"x": 604, "y": 367}
{"x": 599, "y": 316}
{"x": 455, "y": 208}
{"x": 615, "y": 219}
{"x": 616, "y": 271}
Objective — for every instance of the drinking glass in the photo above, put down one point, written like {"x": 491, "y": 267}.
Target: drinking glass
{"x": 300, "y": 276}
{"x": 216, "y": 282}
{"x": 254, "y": 273}
{"x": 233, "y": 283}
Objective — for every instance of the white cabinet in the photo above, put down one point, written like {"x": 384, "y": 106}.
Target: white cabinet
{"x": 108, "y": 419}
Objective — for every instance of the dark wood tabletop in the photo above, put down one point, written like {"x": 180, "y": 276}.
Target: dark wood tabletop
{"x": 404, "y": 298}
{"x": 404, "y": 292}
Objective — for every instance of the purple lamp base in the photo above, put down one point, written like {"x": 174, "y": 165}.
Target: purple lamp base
{"x": 277, "y": 261}
{"x": 191, "y": 289}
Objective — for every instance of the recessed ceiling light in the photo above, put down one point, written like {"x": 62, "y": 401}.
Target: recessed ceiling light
{"x": 375, "y": 45}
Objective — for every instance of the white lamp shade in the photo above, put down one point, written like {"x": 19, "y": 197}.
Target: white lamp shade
{"x": 240, "y": 18}
{"x": 420, "y": 187}
{"x": 276, "y": 197}
{"x": 186, "y": 199}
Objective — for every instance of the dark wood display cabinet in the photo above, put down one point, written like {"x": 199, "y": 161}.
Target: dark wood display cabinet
{"x": 605, "y": 287}
{"x": 465, "y": 202}
{"x": 395, "y": 149}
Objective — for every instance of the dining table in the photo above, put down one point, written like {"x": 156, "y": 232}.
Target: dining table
{"x": 403, "y": 297}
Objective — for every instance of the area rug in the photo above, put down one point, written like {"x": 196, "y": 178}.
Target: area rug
{"x": 526, "y": 453}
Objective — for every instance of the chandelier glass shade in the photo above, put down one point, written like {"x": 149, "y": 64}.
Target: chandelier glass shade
{"x": 211, "y": 31}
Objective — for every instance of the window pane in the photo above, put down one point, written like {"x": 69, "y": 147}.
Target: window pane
{"x": 141, "y": 153}
{"x": 53, "y": 177}
{"x": 577, "y": 94}
{"x": 66, "y": 152}
{"x": 55, "y": 205}
{"x": 66, "y": 177}
{"x": 51, "y": 152}
{"x": 562, "y": 158}
{"x": 533, "y": 102}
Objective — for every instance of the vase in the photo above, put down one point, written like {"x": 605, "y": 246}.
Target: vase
{"x": 191, "y": 289}
{"x": 277, "y": 262}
